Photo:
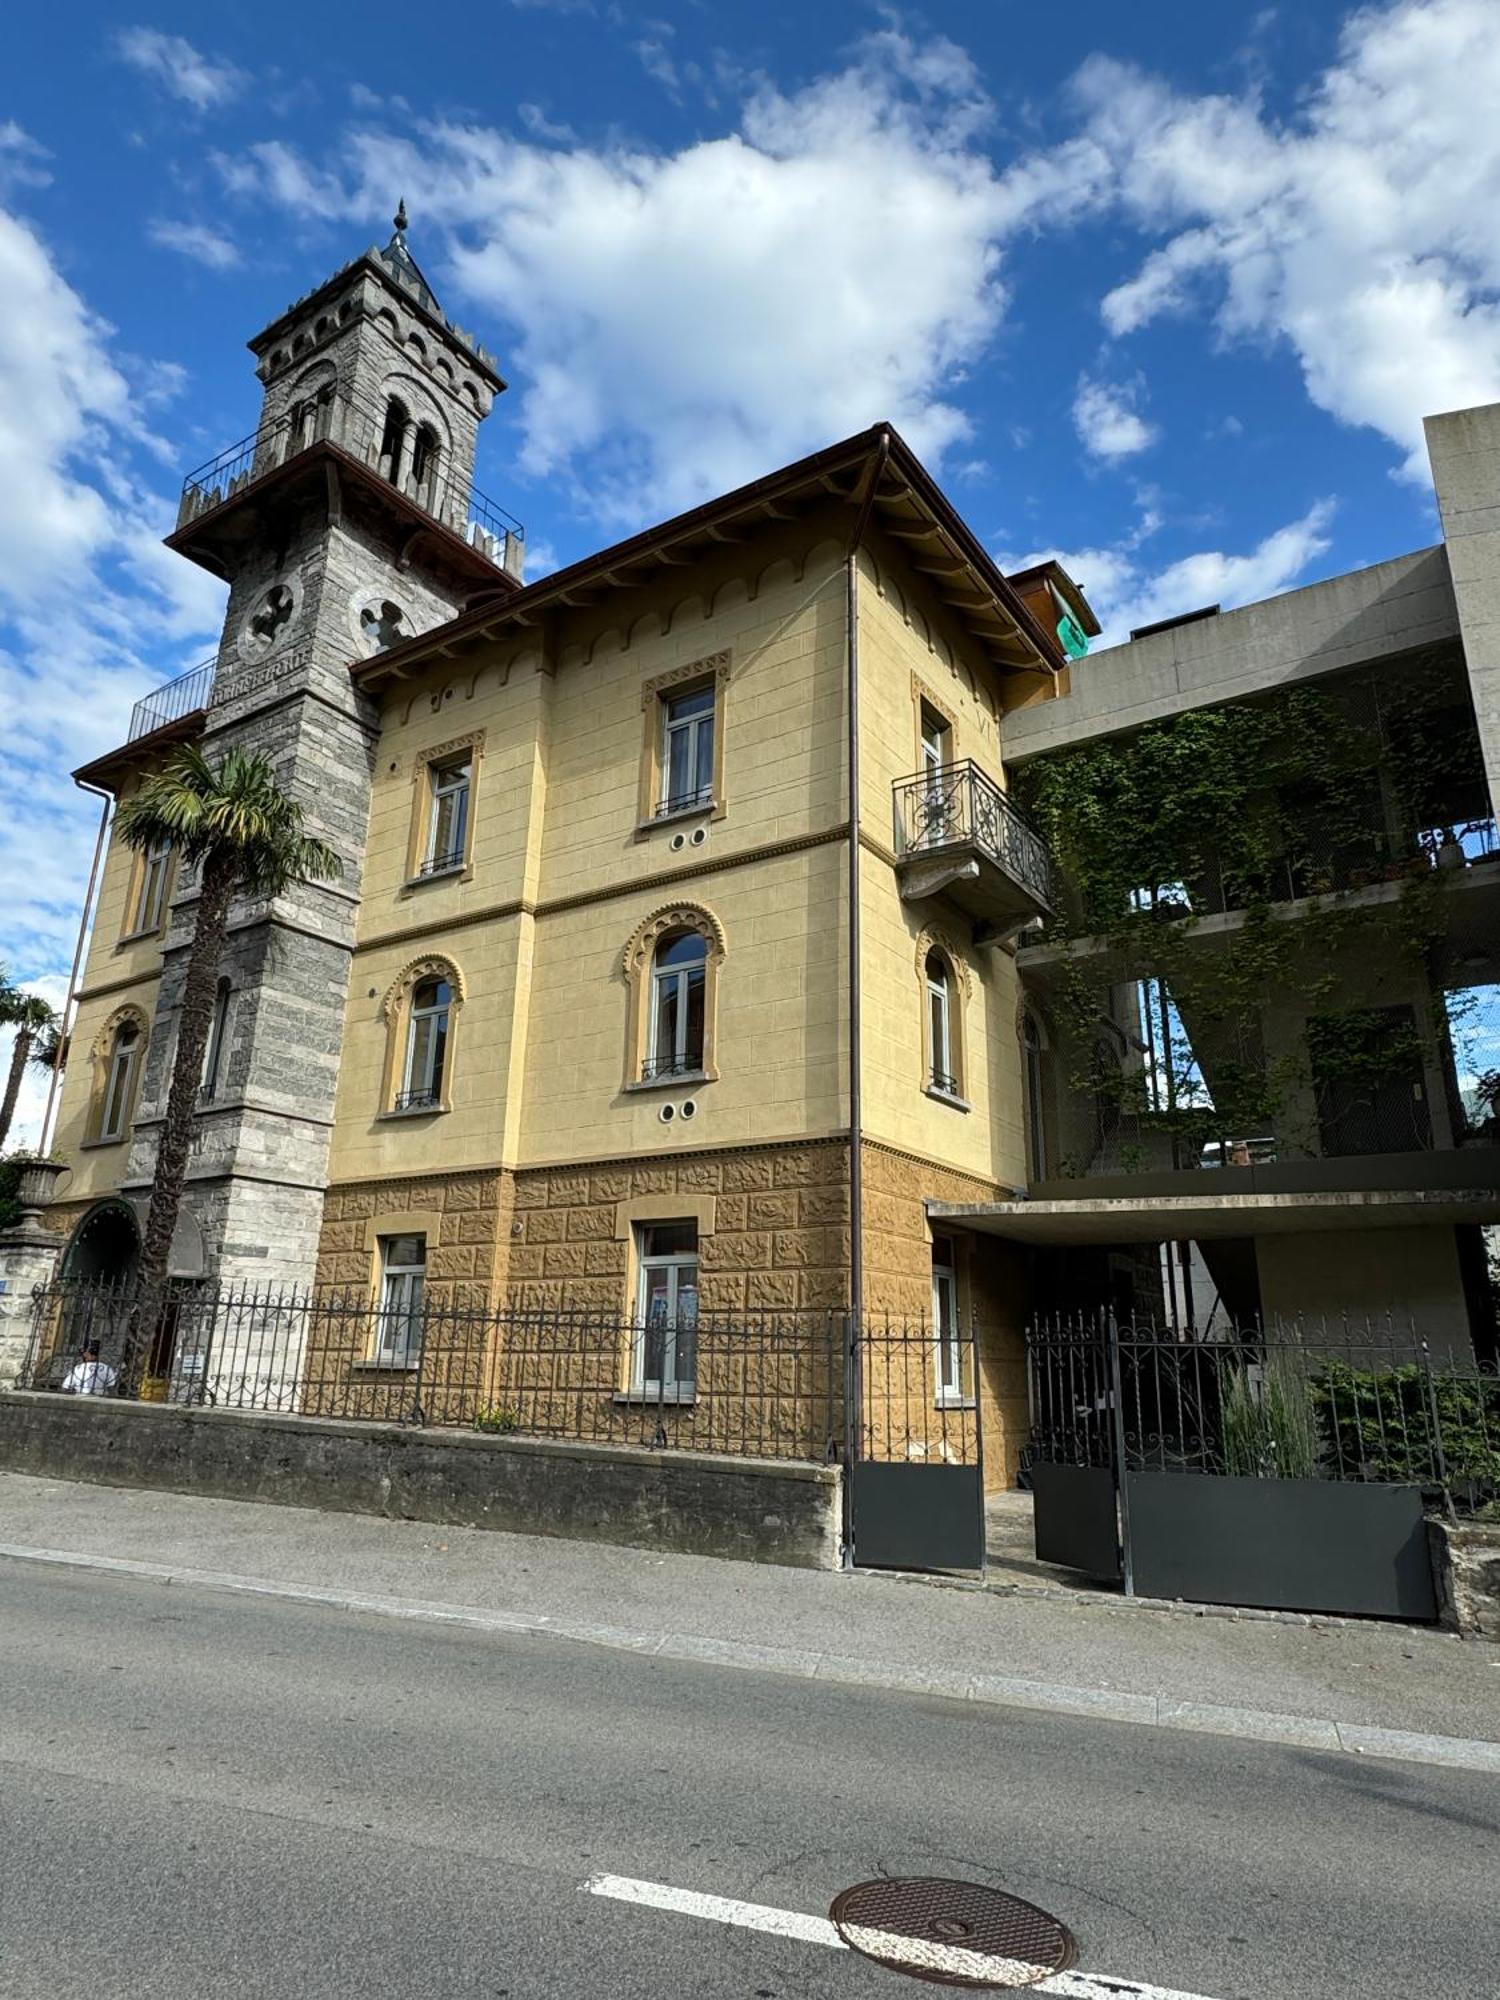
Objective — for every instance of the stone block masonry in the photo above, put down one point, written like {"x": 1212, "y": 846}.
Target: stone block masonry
{"x": 684, "y": 1503}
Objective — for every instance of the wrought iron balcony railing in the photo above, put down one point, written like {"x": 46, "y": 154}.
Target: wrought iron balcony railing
{"x": 338, "y": 418}
{"x": 690, "y": 1064}
{"x": 173, "y": 701}
{"x": 958, "y": 806}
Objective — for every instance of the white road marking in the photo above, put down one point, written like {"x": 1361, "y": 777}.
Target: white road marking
{"x": 818, "y": 1930}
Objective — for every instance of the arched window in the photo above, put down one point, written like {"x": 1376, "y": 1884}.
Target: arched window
{"x": 679, "y": 980}
{"x": 671, "y": 967}
{"x": 1033, "y": 1048}
{"x": 213, "y": 1054}
{"x": 424, "y": 461}
{"x": 942, "y": 1054}
{"x": 426, "y": 1046}
{"x": 393, "y": 439}
{"x": 122, "y": 1061}
{"x": 421, "y": 1010}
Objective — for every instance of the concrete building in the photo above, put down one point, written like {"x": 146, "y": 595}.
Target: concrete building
{"x": 686, "y": 953}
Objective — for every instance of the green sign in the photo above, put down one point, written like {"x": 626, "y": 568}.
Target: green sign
{"x": 1074, "y": 639}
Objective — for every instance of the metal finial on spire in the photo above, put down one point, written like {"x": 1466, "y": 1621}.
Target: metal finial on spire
{"x": 401, "y": 216}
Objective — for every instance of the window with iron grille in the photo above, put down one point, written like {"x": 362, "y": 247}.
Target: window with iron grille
{"x": 942, "y": 1072}
{"x": 687, "y": 751}
{"x": 448, "y": 819}
{"x": 426, "y": 1047}
{"x": 678, "y": 988}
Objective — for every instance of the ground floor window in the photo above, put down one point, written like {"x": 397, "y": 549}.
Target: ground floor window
{"x": 947, "y": 1342}
{"x": 665, "y": 1356}
{"x": 403, "y": 1282}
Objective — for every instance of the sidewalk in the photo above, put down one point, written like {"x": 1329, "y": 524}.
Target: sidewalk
{"x": 1323, "y": 1686}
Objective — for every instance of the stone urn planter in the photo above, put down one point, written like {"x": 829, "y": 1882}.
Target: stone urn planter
{"x": 38, "y": 1182}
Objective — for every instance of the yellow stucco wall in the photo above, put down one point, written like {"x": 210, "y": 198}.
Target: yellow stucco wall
{"x": 538, "y": 925}
{"x": 117, "y": 972}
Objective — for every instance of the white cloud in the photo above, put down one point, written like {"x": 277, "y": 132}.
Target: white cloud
{"x": 685, "y": 320}
{"x": 1125, "y": 591}
{"x": 93, "y": 611}
{"x": 1364, "y": 231}
{"x": 1107, "y": 422}
{"x": 21, "y": 158}
{"x": 181, "y": 70}
{"x": 197, "y": 241}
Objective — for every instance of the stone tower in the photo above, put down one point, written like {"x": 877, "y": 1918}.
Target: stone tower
{"x": 346, "y": 523}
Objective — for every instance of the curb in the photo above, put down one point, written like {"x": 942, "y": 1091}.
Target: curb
{"x": 991, "y": 1690}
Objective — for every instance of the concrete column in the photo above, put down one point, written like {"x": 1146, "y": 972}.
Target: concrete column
{"x": 1464, "y": 447}
{"x": 28, "y": 1256}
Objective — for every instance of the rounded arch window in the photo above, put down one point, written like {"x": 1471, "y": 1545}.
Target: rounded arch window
{"x": 122, "y": 1059}
{"x": 429, "y": 1019}
{"x": 424, "y": 457}
{"x": 679, "y": 980}
{"x": 324, "y": 325}
{"x": 393, "y": 439}
{"x": 942, "y": 1048}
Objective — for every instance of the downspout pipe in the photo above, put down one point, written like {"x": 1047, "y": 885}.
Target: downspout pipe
{"x": 70, "y": 998}
{"x": 853, "y": 1390}
{"x": 856, "y": 1092}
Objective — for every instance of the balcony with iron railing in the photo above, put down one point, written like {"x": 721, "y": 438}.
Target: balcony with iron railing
{"x": 959, "y": 836}
{"x": 171, "y": 702}
{"x": 360, "y": 430}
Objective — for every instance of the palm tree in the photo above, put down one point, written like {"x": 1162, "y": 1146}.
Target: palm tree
{"x": 245, "y": 834}
{"x": 30, "y": 1016}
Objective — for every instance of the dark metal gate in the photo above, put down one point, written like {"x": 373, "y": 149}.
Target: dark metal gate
{"x": 915, "y": 1470}
{"x": 1267, "y": 1468}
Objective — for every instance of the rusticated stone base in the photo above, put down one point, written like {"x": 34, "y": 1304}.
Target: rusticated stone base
{"x": 991, "y": 1289}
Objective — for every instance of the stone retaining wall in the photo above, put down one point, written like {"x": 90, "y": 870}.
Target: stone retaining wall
{"x": 686, "y": 1503}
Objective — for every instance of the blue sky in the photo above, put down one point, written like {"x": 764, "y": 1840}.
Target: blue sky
{"x": 1166, "y": 289}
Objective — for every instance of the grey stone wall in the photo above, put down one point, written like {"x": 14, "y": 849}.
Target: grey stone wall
{"x": 292, "y": 626}
{"x": 687, "y": 1503}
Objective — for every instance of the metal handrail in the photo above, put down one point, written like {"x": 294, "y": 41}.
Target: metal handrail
{"x": 685, "y": 1065}
{"x": 357, "y": 428}
{"x": 958, "y": 805}
{"x": 172, "y": 701}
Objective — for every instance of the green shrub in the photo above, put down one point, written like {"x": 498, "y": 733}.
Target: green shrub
{"x": 1379, "y": 1422}
{"x": 497, "y": 1418}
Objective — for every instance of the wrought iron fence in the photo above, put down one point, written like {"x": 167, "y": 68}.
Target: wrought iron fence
{"x": 740, "y": 1385}
{"x": 769, "y": 1385}
{"x": 358, "y": 428}
{"x": 958, "y": 805}
{"x": 1340, "y": 1399}
{"x": 172, "y": 701}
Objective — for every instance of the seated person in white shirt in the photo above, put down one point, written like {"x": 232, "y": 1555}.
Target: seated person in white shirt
{"x": 90, "y": 1376}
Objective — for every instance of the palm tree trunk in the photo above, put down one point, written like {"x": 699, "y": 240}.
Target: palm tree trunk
{"x": 215, "y": 893}
{"x": 20, "y": 1050}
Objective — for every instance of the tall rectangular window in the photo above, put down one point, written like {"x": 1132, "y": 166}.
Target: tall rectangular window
{"x": 403, "y": 1280}
{"x": 665, "y": 1360}
{"x": 448, "y": 821}
{"x": 687, "y": 752}
{"x": 119, "y": 1082}
{"x": 947, "y": 1342}
{"x": 936, "y": 739}
{"x": 151, "y": 895}
{"x": 213, "y": 1055}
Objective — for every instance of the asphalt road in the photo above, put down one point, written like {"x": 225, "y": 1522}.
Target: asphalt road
{"x": 213, "y": 1794}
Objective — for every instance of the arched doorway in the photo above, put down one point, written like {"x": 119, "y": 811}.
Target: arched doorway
{"x": 105, "y": 1247}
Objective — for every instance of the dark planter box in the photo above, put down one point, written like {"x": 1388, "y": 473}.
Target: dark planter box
{"x": 1281, "y": 1544}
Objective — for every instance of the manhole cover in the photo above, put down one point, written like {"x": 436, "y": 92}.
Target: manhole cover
{"x": 953, "y": 1933}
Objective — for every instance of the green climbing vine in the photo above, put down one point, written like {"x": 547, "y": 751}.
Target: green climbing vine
{"x": 1180, "y": 847}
